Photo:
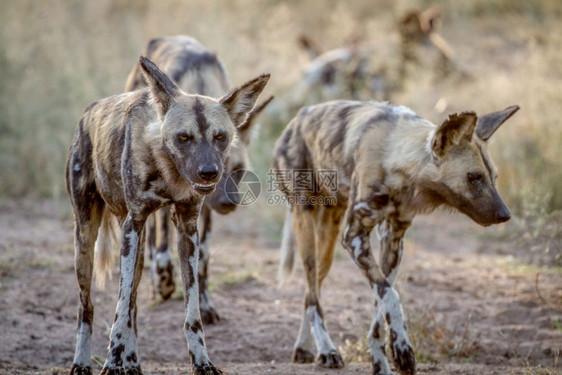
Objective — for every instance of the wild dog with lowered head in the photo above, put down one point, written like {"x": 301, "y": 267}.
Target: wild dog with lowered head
{"x": 391, "y": 165}
{"x": 197, "y": 71}
{"x": 132, "y": 154}
{"x": 357, "y": 70}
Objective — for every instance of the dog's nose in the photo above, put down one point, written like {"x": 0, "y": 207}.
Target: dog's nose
{"x": 208, "y": 172}
{"x": 503, "y": 215}
{"x": 227, "y": 205}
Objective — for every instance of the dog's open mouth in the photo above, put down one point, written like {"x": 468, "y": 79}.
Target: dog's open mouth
{"x": 204, "y": 188}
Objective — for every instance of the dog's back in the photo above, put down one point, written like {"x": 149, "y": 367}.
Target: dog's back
{"x": 194, "y": 68}
{"x": 347, "y": 136}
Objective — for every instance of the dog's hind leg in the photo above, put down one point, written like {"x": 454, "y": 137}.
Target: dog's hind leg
{"x": 87, "y": 222}
{"x": 88, "y": 209}
{"x": 161, "y": 266}
{"x": 305, "y": 227}
{"x": 327, "y": 231}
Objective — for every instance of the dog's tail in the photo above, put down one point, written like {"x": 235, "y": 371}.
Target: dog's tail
{"x": 287, "y": 249}
{"x": 104, "y": 253}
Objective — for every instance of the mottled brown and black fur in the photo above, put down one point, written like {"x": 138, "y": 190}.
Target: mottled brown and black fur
{"x": 133, "y": 154}
{"x": 197, "y": 71}
{"x": 391, "y": 165}
{"x": 355, "y": 71}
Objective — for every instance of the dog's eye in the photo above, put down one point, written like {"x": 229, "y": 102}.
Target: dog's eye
{"x": 220, "y": 136}
{"x": 184, "y": 137}
{"x": 475, "y": 178}
{"x": 238, "y": 167}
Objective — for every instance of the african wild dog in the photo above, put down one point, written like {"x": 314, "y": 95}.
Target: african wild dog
{"x": 391, "y": 165}
{"x": 356, "y": 71}
{"x": 132, "y": 154}
{"x": 197, "y": 71}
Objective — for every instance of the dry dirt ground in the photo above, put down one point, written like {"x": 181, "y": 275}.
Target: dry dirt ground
{"x": 471, "y": 309}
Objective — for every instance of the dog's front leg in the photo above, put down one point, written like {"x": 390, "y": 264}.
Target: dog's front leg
{"x": 188, "y": 251}
{"x": 391, "y": 234}
{"x": 122, "y": 354}
{"x": 362, "y": 216}
{"x": 208, "y": 313}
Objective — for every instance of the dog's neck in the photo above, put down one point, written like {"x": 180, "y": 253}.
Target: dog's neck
{"x": 411, "y": 156}
{"x": 411, "y": 165}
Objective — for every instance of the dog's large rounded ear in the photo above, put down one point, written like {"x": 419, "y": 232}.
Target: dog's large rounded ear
{"x": 489, "y": 123}
{"x": 429, "y": 18}
{"x": 239, "y": 101}
{"x": 163, "y": 88}
{"x": 454, "y": 130}
{"x": 246, "y": 127}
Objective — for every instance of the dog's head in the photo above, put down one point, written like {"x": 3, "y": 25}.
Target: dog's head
{"x": 464, "y": 176}
{"x": 197, "y": 131}
{"x": 227, "y": 197}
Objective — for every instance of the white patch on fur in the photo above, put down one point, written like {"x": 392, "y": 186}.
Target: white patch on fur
{"x": 356, "y": 244}
{"x": 362, "y": 205}
{"x": 323, "y": 342}
{"x": 160, "y": 261}
{"x": 429, "y": 142}
{"x": 151, "y": 195}
{"x": 194, "y": 238}
{"x": 154, "y": 129}
{"x": 382, "y": 230}
{"x": 392, "y": 275}
{"x": 390, "y": 303}
{"x": 193, "y": 315}
{"x": 192, "y": 310}
{"x": 205, "y": 303}
{"x": 304, "y": 339}
{"x": 128, "y": 262}
{"x": 163, "y": 259}
{"x": 402, "y": 111}
{"x": 307, "y": 109}
{"x": 128, "y": 338}
{"x": 83, "y": 346}
{"x": 199, "y": 351}
{"x": 376, "y": 345}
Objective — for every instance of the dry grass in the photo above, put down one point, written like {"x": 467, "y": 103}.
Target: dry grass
{"x": 433, "y": 341}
